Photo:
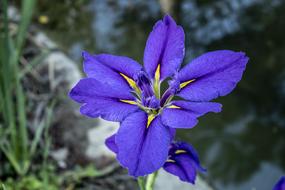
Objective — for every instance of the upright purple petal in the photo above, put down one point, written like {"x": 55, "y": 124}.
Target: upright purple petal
{"x": 212, "y": 75}
{"x": 164, "y": 47}
{"x": 109, "y": 69}
{"x": 142, "y": 149}
{"x": 111, "y": 144}
{"x": 280, "y": 185}
{"x": 183, "y": 114}
{"x": 100, "y": 100}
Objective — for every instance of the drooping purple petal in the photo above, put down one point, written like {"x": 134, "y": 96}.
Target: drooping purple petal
{"x": 214, "y": 74}
{"x": 100, "y": 100}
{"x": 142, "y": 149}
{"x": 280, "y": 185}
{"x": 183, "y": 161}
{"x": 190, "y": 151}
{"x": 185, "y": 114}
{"x": 164, "y": 47}
{"x": 176, "y": 170}
{"x": 111, "y": 144}
{"x": 183, "y": 168}
{"x": 108, "y": 69}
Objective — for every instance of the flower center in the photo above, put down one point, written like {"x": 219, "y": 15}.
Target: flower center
{"x": 147, "y": 98}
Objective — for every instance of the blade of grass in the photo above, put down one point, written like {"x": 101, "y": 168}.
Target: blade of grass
{"x": 47, "y": 144}
{"x": 37, "y": 137}
{"x": 3, "y": 187}
{"x": 6, "y": 149}
{"x": 26, "y": 16}
{"x": 7, "y": 80}
{"x": 17, "y": 153}
{"x": 44, "y": 126}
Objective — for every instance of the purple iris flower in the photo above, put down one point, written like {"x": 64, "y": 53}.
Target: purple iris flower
{"x": 119, "y": 89}
{"x": 280, "y": 185}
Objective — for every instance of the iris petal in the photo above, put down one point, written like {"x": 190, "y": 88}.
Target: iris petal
{"x": 212, "y": 75}
{"x": 184, "y": 169}
{"x": 100, "y": 100}
{"x": 88, "y": 88}
{"x": 164, "y": 49}
{"x": 110, "y": 143}
{"x": 108, "y": 109}
{"x": 280, "y": 185}
{"x": 183, "y": 114}
{"x": 111, "y": 69}
{"x": 142, "y": 149}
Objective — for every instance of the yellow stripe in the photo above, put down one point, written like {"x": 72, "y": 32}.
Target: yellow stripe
{"x": 131, "y": 82}
{"x": 180, "y": 151}
{"x": 174, "y": 107}
{"x": 169, "y": 160}
{"x": 182, "y": 85}
{"x": 149, "y": 119}
{"x": 157, "y": 73}
{"x": 129, "y": 102}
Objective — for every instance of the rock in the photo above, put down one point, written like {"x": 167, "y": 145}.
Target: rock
{"x": 60, "y": 156}
{"x": 96, "y": 139}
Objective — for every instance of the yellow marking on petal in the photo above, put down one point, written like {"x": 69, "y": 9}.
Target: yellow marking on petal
{"x": 129, "y": 102}
{"x": 169, "y": 160}
{"x": 174, "y": 107}
{"x": 131, "y": 82}
{"x": 157, "y": 73}
{"x": 180, "y": 151}
{"x": 182, "y": 85}
{"x": 149, "y": 119}
{"x": 156, "y": 84}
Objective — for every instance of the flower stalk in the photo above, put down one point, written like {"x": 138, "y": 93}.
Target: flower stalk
{"x": 141, "y": 183}
{"x": 147, "y": 183}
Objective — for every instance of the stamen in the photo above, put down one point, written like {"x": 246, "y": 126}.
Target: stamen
{"x": 144, "y": 84}
{"x": 170, "y": 92}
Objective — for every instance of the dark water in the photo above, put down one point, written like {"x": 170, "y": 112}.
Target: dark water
{"x": 243, "y": 147}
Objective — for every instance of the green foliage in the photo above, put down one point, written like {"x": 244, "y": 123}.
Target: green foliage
{"x": 14, "y": 139}
{"x": 30, "y": 182}
{"x": 46, "y": 178}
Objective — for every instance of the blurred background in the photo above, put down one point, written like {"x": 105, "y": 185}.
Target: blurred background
{"x": 243, "y": 147}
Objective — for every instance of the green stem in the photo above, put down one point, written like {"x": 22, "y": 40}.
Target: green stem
{"x": 141, "y": 182}
{"x": 150, "y": 181}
